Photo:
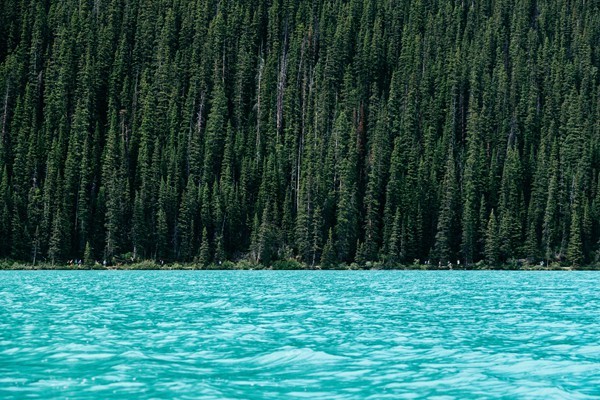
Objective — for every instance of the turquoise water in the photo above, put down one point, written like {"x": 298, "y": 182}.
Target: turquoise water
{"x": 261, "y": 334}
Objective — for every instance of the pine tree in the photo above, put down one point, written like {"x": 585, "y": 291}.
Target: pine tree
{"x": 510, "y": 206}
{"x": 216, "y": 129}
{"x": 267, "y": 241}
{"x": 220, "y": 254}
{"x": 347, "y": 208}
{"x": 5, "y": 219}
{"x": 492, "y": 241}
{"x": 446, "y": 229}
{"x": 88, "y": 256}
{"x": 328, "y": 257}
{"x": 115, "y": 186}
{"x": 56, "y": 250}
{"x": 575, "y": 247}
{"x": 162, "y": 235}
{"x": 551, "y": 227}
{"x": 186, "y": 223}
{"x": 204, "y": 255}
{"x": 394, "y": 247}
{"x": 575, "y": 250}
{"x": 471, "y": 184}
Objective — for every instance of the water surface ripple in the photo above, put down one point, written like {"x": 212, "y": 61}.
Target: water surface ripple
{"x": 301, "y": 334}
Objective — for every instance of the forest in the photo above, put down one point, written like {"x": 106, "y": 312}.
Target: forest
{"x": 326, "y": 132}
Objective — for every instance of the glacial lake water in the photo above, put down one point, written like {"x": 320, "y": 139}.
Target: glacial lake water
{"x": 299, "y": 334}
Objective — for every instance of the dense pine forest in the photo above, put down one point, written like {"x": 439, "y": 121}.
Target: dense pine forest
{"x": 322, "y": 131}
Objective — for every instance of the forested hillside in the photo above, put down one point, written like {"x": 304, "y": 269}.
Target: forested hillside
{"x": 324, "y": 131}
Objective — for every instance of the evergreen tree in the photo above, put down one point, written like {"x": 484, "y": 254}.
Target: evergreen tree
{"x": 446, "y": 231}
{"x": 492, "y": 241}
{"x": 186, "y": 223}
{"x": 204, "y": 255}
{"x": 347, "y": 208}
{"x": 575, "y": 247}
{"x": 328, "y": 257}
{"x": 88, "y": 256}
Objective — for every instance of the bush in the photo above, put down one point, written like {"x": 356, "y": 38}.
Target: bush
{"x": 247, "y": 265}
{"x": 144, "y": 264}
{"x": 286, "y": 265}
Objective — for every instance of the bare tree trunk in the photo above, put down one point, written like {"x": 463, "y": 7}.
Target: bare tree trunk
{"x": 5, "y": 114}
{"x": 258, "y": 93}
{"x": 281, "y": 86}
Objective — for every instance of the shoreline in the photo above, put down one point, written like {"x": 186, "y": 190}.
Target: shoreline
{"x": 7, "y": 265}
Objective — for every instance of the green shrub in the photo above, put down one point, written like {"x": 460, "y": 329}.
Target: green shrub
{"x": 144, "y": 264}
{"x": 286, "y": 265}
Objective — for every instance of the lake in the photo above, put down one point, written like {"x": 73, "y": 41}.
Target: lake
{"x": 299, "y": 334}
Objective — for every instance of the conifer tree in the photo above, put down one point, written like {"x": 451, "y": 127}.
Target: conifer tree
{"x": 446, "y": 230}
{"x": 88, "y": 256}
{"x": 492, "y": 241}
{"x": 328, "y": 257}
{"x": 204, "y": 255}
{"x": 186, "y": 223}
{"x": 347, "y": 208}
